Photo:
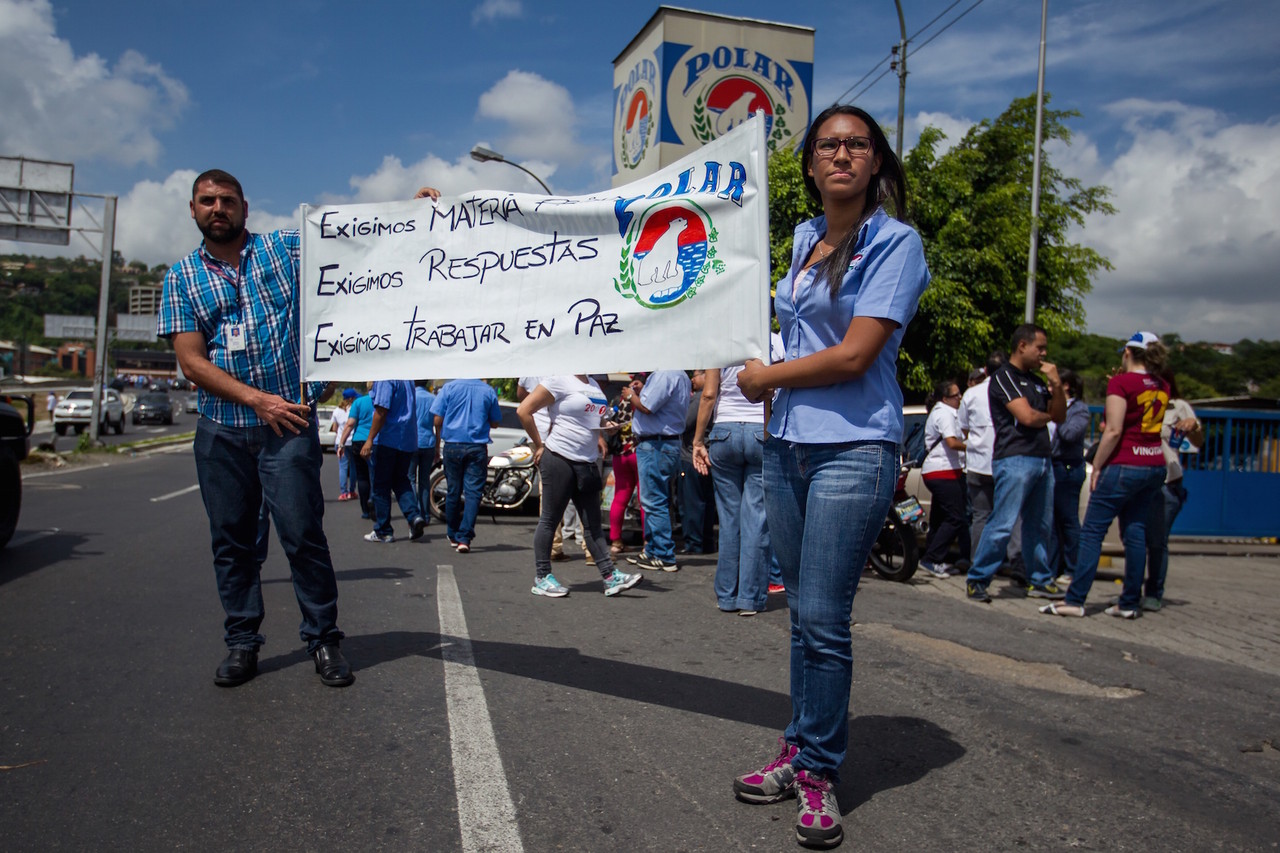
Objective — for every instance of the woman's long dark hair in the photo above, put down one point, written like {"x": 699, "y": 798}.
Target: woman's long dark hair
{"x": 890, "y": 184}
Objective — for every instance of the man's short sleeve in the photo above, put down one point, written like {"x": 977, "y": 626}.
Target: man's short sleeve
{"x": 1003, "y": 389}
{"x": 495, "y": 411}
{"x": 962, "y": 413}
{"x": 437, "y": 405}
{"x": 176, "y": 313}
{"x": 381, "y": 394}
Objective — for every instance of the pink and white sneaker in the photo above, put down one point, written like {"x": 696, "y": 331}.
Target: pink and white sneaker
{"x": 817, "y": 812}
{"x": 771, "y": 783}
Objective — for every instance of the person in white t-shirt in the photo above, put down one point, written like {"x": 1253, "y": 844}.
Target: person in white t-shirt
{"x": 542, "y": 418}
{"x": 568, "y": 464}
{"x": 974, "y": 418}
{"x": 943, "y": 475}
{"x": 346, "y": 476}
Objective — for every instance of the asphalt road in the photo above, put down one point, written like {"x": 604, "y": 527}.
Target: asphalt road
{"x": 586, "y": 723}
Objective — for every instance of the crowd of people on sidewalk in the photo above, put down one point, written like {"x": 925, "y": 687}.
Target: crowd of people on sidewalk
{"x": 798, "y": 458}
{"x": 1006, "y": 462}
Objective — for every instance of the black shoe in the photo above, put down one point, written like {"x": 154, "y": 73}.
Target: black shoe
{"x": 419, "y": 527}
{"x": 332, "y": 666}
{"x": 977, "y": 592}
{"x": 240, "y": 666}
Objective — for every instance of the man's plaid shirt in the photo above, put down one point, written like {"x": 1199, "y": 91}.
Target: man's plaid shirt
{"x": 203, "y": 294}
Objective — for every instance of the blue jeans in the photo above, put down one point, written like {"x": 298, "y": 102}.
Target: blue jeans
{"x": 238, "y": 469}
{"x": 345, "y": 477}
{"x": 826, "y": 504}
{"x": 1126, "y": 491}
{"x": 389, "y": 469}
{"x": 464, "y": 472}
{"x": 421, "y": 462}
{"x": 1064, "y": 545}
{"x": 1023, "y": 487}
{"x": 659, "y": 463}
{"x": 1163, "y": 512}
{"x": 697, "y": 509}
{"x": 742, "y": 567}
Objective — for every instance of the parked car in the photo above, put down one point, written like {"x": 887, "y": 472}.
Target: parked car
{"x": 14, "y": 444}
{"x": 508, "y": 433}
{"x": 154, "y": 407}
{"x": 76, "y": 409}
{"x": 193, "y": 402}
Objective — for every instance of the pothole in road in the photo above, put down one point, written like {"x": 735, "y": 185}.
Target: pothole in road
{"x": 1041, "y": 676}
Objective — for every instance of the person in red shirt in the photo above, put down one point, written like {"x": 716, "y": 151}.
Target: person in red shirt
{"x": 1128, "y": 473}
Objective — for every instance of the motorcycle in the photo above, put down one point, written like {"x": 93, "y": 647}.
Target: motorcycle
{"x": 896, "y": 553}
{"x": 511, "y": 479}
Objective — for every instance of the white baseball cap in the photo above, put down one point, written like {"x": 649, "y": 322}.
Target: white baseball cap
{"x": 1140, "y": 340}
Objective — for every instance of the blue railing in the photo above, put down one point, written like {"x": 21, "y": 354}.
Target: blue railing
{"x": 1233, "y": 482}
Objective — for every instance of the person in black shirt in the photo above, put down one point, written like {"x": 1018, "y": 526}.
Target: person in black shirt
{"x": 1022, "y": 406}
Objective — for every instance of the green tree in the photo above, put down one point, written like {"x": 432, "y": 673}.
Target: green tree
{"x": 789, "y": 205}
{"x": 972, "y": 207}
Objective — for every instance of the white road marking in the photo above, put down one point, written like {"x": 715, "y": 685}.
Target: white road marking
{"x": 70, "y": 469}
{"x": 485, "y": 810}
{"x": 31, "y": 537}
{"x": 176, "y": 494}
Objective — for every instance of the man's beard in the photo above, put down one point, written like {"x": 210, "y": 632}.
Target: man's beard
{"x": 230, "y": 232}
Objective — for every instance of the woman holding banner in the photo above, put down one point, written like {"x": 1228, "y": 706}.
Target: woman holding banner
{"x": 568, "y": 463}
{"x": 831, "y": 455}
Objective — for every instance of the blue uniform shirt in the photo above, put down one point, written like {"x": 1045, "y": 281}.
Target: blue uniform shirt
{"x": 666, "y": 394}
{"x": 885, "y": 280}
{"x": 248, "y": 316}
{"x": 467, "y": 406}
{"x": 422, "y": 400}
{"x": 400, "y": 428}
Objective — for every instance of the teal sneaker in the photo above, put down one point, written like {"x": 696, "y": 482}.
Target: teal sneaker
{"x": 618, "y": 581}
{"x": 549, "y": 587}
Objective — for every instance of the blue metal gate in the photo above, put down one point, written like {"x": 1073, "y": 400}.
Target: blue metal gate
{"x": 1233, "y": 483}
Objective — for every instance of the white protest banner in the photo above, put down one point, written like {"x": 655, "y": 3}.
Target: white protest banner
{"x": 669, "y": 272}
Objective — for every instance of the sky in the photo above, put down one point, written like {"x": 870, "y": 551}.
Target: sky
{"x": 312, "y": 101}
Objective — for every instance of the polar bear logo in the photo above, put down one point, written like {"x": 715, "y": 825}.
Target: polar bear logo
{"x": 662, "y": 262}
{"x": 735, "y": 114}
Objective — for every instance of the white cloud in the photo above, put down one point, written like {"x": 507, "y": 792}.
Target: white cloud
{"x": 491, "y": 10}
{"x": 394, "y": 180}
{"x": 953, "y": 126}
{"x": 542, "y": 118}
{"x": 154, "y": 225}
{"x": 1196, "y": 236}
{"x": 59, "y": 106}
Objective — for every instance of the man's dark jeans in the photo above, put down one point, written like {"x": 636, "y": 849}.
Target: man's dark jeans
{"x": 464, "y": 471}
{"x": 238, "y": 468}
{"x": 389, "y": 468}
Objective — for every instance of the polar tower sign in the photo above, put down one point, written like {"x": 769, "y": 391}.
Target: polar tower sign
{"x": 690, "y": 77}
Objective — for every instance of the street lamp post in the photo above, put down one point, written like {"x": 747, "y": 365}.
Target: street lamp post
{"x": 901, "y": 51}
{"x": 1035, "y": 174}
{"x": 484, "y": 155}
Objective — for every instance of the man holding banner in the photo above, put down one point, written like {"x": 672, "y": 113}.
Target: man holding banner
{"x": 230, "y": 309}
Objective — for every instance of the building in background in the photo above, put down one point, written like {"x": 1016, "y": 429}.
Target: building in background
{"x": 690, "y": 77}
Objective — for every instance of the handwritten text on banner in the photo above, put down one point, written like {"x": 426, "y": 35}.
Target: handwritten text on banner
{"x": 668, "y": 272}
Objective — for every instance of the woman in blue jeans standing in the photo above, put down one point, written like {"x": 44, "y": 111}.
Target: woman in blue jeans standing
{"x": 830, "y": 461}
{"x": 1128, "y": 472}
{"x": 732, "y": 452}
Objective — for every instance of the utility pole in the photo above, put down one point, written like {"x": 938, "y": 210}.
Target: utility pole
{"x": 901, "y": 53}
{"x": 1035, "y": 174}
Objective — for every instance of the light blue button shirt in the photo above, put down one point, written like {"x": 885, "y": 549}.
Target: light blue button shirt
{"x": 399, "y": 428}
{"x": 467, "y": 407}
{"x": 885, "y": 280}
{"x": 666, "y": 394}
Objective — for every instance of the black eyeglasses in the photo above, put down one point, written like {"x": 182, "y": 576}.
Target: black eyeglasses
{"x": 827, "y": 146}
